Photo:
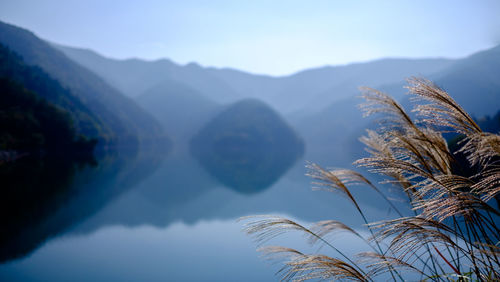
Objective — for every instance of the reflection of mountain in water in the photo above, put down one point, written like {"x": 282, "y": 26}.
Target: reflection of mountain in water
{"x": 182, "y": 191}
{"x": 137, "y": 191}
{"x": 44, "y": 198}
{"x": 247, "y": 147}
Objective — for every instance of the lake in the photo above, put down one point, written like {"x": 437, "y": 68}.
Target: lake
{"x": 156, "y": 217}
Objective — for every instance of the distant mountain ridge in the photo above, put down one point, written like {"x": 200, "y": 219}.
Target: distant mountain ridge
{"x": 472, "y": 81}
{"x": 135, "y": 76}
{"x": 314, "y": 88}
{"x": 181, "y": 109}
{"x": 288, "y": 94}
{"x": 311, "y": 90}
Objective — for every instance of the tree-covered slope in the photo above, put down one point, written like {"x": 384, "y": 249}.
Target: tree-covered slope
{"x": 125, "y": 123}
{"x": 29, "y": 124}
{"x": 34, "y": 79}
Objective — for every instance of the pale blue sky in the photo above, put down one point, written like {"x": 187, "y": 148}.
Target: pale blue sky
{"x": 272, "y": 37}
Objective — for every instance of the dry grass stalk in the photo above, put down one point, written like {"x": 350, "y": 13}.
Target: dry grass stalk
{"x": 454, "y": 228}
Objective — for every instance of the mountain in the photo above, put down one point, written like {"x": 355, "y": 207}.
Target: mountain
{"x": 474, "y": 82}
{"x": 29, "y": 122}
{"x": 134, "y": 76}
{"x": 471, "y": 81}
{"x": 124, "y": 122}
{"x": 32, "y": 125}
{"x": 247, "y": 146}
{"x": 331, "y": 135}
{"x": 319, "y": 103}
{"x": 303, "y": 98}
{"x": 181, "y": 109}
{"x": 312, "y": 89}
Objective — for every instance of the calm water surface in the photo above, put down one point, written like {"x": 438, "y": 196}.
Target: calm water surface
{"x": 156, "y": 218}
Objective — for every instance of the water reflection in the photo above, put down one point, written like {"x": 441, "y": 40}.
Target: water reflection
{"x": 246, "y": 171}
{"x": 158, "y": 218}
{"x": 32, "y": 189}
{"x": 45, "y": 197}
{"x": 181, "y": 190}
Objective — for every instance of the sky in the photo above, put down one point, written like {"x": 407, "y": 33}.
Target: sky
{"x": 263, "y": 36}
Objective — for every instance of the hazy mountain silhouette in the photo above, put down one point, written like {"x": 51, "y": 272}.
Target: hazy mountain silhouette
{"x": 317, "y": 102}
{"x": 302, "y": 97}
{"x": 309, "y": 89}
{"x": 135, "y": 76}
{"x": 471, "y": 81}
{"x": 181, "y": 109}
{"x": 312, "y": 89}
{"x": 123, "y": 121}
{"x": 474, "y": 82}
{"x": 320, "y": 102}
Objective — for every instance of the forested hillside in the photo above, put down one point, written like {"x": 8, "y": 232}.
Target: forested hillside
{"x": 30, "y": 123}
{"x": 123, "y": 123}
